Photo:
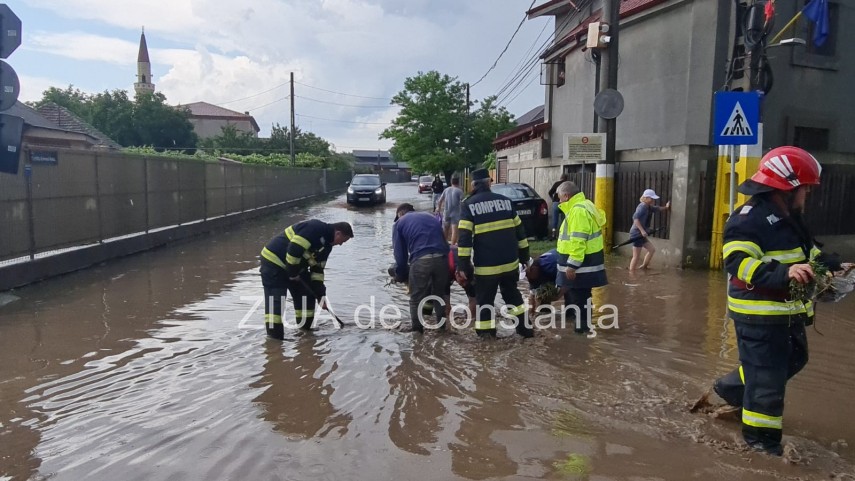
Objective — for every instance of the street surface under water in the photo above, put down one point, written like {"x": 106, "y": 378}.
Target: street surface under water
{"x": 150, "y": 368}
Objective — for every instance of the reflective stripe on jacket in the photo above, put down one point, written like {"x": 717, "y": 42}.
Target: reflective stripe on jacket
{"x": 302, "y": 250}
{"x": 580, "y": 243}
{"x": 760, "y": 244}
{"x": 491, "y": 230}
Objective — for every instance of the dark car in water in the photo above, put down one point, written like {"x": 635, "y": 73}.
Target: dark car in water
{"x": 531, "y": 208}
{"x": 366, "y": 189}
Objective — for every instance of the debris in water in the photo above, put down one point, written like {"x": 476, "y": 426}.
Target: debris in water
{"x": 7, "y": 299}
{"x": 575, "y": 464}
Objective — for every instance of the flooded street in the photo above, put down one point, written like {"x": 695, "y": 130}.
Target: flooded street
{"x": 156, "y": 367}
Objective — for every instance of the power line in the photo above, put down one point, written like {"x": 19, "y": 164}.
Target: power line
{"x": 506, "y": 46}
{"x": 270, "y": 103}
{"x": 341, "y": 93}
{"x": 344, "y": 121}
{"x": 344, "y": 105}
{"x": 254, "y": 95}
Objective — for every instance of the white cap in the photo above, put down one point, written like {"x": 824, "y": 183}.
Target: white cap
{"x": 650, "y": 193}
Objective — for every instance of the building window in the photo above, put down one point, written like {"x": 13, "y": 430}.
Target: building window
{"x": 829, "y": 47}
{"x": 143, "y": 79}
{"x": 823, "y": 56}
{"x": 811, "y": 138}
{"x": 561, "y": 73}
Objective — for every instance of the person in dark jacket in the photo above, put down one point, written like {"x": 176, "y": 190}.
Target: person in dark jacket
{"x": 491, "y": 230}
{"x": 421, "y": 257}
{"x": 767, "y": 246}
{"x": 437, "y": 187}
{"x": 557, "y": 215}
{"x": 294, "y": 261}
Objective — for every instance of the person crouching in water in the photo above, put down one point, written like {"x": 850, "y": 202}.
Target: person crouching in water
{"x": 640, "y": 229}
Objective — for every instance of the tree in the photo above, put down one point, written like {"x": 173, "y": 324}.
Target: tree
{"x": 162, "y": 125}
{"x": 433, "y": 131}
{"x": 428, "y": 132}
{"x": 487, "y": 121}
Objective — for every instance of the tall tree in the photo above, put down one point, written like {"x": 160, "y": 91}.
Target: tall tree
{"x": 428, "y": 132}
{"x": 162, "y": 125}
{"x": 434, "y": 130}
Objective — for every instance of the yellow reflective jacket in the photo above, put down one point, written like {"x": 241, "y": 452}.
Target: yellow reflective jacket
{"x": 580, "y": 243}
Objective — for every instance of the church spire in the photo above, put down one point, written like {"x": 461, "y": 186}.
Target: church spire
{"x": 144, "y": 81}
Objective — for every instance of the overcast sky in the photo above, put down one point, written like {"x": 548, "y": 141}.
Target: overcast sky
{"x": 220, "y": 51}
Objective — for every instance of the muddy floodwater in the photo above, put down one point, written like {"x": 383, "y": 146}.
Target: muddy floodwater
{"x": 156, "y": 367}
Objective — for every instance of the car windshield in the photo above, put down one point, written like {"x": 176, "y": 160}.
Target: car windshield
{"x": 425, "y": 178}
{"x": 515, "y": 191}
{"x": 366, "y": 180}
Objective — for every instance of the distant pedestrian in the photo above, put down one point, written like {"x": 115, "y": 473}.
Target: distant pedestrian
{"x": 557, "y": 215}
{"x": 640, "y": 229}
{"x": 437, "y": 187}
{"x": 421, "y": 258}
{"x": 449, "y": 206}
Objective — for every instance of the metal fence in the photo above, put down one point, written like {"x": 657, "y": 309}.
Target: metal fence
{"x": 87, "y": 198}
{"x": 631, "y": 179}
{"x": 828, "y": 209}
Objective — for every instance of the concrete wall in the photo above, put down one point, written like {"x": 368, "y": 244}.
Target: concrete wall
{"x": 207, "y": 128}
{"x": 812, "y": 90}
{"x": 89, "y": 198}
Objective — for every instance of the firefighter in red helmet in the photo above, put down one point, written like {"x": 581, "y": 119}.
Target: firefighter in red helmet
{"x": 766, "y": 246}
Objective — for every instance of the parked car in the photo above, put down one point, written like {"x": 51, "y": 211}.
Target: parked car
{"x": 532, "y": 209}
{"x": 425, "y": 183}
{"x": 414, "y": 178}
{"x": 366, "y": 189}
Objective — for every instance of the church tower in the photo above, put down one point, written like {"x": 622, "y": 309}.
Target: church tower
{"x": 144, "y": 81}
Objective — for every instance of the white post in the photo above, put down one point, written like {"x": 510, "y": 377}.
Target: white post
{"x": 732, "y": 178}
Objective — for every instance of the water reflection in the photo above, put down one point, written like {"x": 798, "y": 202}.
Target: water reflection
{"x": 297, "y": 388}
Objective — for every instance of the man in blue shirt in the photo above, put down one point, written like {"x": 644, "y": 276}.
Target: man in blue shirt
{"x": 541, "y": 275}
{"x": 421, "y": 257}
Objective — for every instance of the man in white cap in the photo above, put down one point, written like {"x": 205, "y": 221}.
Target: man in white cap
{"x": 641, "y": 228}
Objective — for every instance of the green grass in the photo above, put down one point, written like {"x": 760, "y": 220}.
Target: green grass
{"x": 536, "y": 248}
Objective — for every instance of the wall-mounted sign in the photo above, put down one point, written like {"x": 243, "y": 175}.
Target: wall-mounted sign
{"x": 584, "y": 147}
{"x": 43, "y": 157}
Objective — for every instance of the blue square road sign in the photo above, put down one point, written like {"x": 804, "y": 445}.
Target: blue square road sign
{"x": 737, "y": 115}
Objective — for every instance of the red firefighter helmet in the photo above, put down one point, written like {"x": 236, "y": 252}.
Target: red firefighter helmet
{"x": 783, "y": 168}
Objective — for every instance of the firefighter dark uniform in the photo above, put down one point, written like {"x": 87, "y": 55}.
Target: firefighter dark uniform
{"x": 492, "y": 245}
{"x": 301, "y": 251}
{"x": 761, "y": 243}
{"x": 580, "y": 247}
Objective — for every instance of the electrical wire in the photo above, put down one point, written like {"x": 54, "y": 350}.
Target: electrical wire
{"x": 269, "y": 103}
{"x": 344, "y": 121}
{"x": 254, "y": 95}
{"x": 344, "y": 105}
{"x": 506, "y": 46}
{"x": 342, "y": 93}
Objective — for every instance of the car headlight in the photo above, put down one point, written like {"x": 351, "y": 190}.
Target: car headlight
{"x": 350, "y": 190}
{"x": 379, "y": 190}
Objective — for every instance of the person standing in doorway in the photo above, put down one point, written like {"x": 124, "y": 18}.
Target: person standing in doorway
{"x": 640, "y": 229}
{"x": 437, "y": 187}
{"x": 557, "y": 215}
{"x": 449, "y": 207}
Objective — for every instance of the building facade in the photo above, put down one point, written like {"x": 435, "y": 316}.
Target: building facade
{"x": 674, "y": 54}
{"x": 209, "y": 120}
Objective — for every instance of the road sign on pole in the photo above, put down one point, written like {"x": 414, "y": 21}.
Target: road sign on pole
{"x": 736, "y": 117}
{"x": 10, "y": 31}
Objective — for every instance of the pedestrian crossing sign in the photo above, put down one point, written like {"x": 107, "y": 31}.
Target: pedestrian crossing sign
{"x": 736, "y": 117}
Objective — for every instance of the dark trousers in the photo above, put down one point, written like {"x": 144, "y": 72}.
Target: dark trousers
{"x": 276, "y": 288}
{"x": 578, "y": 297}
{"x": 557, "y": 216}
{"x": 485, "y": 295}
{"x": 428, "y": 277}
{"x": 769, "y": 357}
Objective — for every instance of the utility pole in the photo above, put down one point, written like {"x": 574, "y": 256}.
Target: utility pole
{"x": 293, "y": 159}
{"x": 468, "y": 127}
{"x": 604, "y": 190}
